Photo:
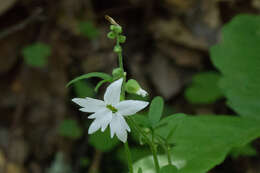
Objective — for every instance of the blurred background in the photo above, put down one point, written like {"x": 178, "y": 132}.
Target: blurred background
{"x": 45, "y": 43}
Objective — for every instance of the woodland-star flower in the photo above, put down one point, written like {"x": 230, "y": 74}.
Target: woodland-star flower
{"x": 111, "y": 111}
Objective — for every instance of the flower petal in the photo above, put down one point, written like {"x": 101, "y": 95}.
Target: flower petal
{"x": 95, "y": 125}
{"x": 112, "y": 94}
{"x": 130, "y": 107}
{"x": 105, "y": 120}
{"x": 119, "y": 126}
{"x": 89, "y": 104}
{"x": 98, "y": 114}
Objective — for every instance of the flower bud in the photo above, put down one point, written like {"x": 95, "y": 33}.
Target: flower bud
{"x": 122, "y": 39}
{"x": 117, "y": 73}
{"x": 117, "y": 49}
{"x": 116, "y": 28}
{"x": 133, "y": 87}
{"x": 111, "y": 35}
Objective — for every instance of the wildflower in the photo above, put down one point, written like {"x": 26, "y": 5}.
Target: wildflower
{"x": 111, "y": 111}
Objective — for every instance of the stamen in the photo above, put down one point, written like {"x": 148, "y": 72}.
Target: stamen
{"x": 113, "y": 109}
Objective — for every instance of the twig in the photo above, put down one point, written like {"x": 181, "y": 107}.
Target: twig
{"x": 21, "y": 25}
{"x": 94, "y": 168}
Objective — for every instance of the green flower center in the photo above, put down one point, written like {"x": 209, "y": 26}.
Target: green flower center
{"x": 112, "y": 108}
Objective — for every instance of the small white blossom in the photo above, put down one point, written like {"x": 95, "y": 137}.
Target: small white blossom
{"x": 141, "y": 92}
{"x": 111, "y": 111}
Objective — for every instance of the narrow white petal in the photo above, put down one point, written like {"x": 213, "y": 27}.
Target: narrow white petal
{"x": 99, "y": 113}
{"x": 112, "y": 127}
{"x": 130, "y": 107}
{"x": 89, "y": 104}
{"x": 106, "y": 119}
{"x": 119, "y": 126}
{"x": 102, "y": 119}
{"x": 95, "y": 125}
{"x": 122, "y": 135}
{"x": 123, "y": 122}
{"x": 112, "y": 94}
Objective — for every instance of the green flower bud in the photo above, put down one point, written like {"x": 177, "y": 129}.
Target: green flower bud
{"x": 122, "y": 39}
{"x": 133, "y": 87}
{"x": 117, "y": 49}
{"x": 111, "y": 35}
{"x": 116, "y": 28}
{"x": 117, "y": 73}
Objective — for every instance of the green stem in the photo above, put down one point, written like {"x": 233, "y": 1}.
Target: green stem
{"x": 167, "y": 150}
{"x": 120, "y": 56}
{"x": 129, "y": 158}
{"x": 149, "y": 142}
{"x": 155, "y": 158}
{"x": 127, "y": 149}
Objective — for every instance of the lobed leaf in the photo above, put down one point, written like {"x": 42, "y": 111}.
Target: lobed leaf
{"x": 204, "y": 88}
{"x": 237, "y": 56}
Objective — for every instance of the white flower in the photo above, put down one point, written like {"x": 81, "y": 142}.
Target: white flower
{"x": 111, "y": 111}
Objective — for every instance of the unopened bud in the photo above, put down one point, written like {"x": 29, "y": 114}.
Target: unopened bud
{"x": 117, "y": 73}
{"x": 133, "y": 87}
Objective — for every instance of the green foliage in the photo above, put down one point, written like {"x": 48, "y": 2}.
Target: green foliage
{"x": 36, "y": 54}
{"x": 202, "y": 142}
{"x": 102, "y": 141}
{"x": 140, "y": 170}
{"x": 169, "y": 169}
{"x": 155, "y": 111}
{"x": 237, "y": 56}
{"x": 90, "y": 75}
{"x": 136, "y": 152}
{"x": 84, "y": 89}
{"x": 204, "y": 88}
{"x": 141, "y": 119}
{"x": 69, "y": 128}
{"x": 88, "y": 29}
{"x": 246, "y": 150}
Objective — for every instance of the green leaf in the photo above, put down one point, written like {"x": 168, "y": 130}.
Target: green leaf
{"x": 237, "y": 57}
{"x": 70, "y": 128}
{"x": 88, "y": 29}
{"x": 84, "y": 89}
{"x": 90, "y": 75}
{"x": 202, "y": 142}
{"x": 204, "y": 88}
{"x": 169, "y": 169}
{"x": 136, "y": 153}
{"x": 246, "y": 150}
{"x": 102, "y": 141}
{"x": 155, "y": 110}
{"x": 36, "y": 54}
{"x": 141, "y": 119}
